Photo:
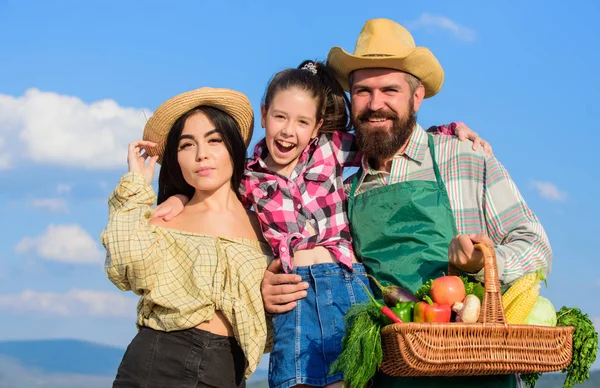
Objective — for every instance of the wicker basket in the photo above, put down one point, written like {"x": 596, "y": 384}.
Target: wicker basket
{"x": 488, "y": 347}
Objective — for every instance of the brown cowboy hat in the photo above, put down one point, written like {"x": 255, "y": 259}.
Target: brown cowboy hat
{"x": 383, "y": 43}
{"x": 234, "y": 103}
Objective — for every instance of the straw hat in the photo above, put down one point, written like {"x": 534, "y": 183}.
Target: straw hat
{"x": 383, "y": 43}
{"x": 234, "y": 103}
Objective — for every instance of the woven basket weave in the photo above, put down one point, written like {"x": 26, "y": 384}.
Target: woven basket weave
{"x": 488, "y": 347}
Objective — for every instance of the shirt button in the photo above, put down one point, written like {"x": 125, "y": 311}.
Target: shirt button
{"x": 298, "y": 206}
{"x": 283, "y": 249}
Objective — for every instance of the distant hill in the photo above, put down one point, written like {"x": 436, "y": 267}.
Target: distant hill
{"x": 76, "y": 364}
{"x": 64, "y": 356}
{"x": 15, "y": 375}
{"x": 67, "y": 364}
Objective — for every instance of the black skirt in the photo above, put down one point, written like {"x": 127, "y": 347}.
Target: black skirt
{"x": 190, "y": 358}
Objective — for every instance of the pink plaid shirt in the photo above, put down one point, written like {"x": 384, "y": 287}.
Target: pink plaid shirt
{"x": 312, "y": 195}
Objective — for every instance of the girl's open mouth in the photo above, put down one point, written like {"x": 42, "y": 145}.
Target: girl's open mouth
{"x": 284, "y": 146}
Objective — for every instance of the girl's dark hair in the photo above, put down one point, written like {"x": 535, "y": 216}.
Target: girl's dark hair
{"x": 170, "y": 179}
{"x": 333, "y": 105}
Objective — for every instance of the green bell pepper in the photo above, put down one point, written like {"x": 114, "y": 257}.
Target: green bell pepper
{"x": 404, "y": 311}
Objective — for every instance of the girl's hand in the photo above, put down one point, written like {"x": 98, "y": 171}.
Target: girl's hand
{"x": 136, "y": 158}
{"x": 463, "y": 132}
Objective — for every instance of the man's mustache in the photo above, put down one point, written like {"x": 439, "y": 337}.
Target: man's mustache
{"x": 367, "y": 114}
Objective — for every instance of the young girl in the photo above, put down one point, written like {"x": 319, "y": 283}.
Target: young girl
{"x": 294, "y": 181}
{"x": 200, "y": 316}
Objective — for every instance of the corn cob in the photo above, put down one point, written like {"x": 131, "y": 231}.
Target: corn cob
{"x": 520, "y": 308}
{"x": 520, "y": 286}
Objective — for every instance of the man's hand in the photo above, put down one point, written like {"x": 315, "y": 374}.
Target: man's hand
{"x": 463, "y": 255}
{"x": 171, "y": 207}
{"x": 463, "y": 133}
{"x": 281, "y": 291}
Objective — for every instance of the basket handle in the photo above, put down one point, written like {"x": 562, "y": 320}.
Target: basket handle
{"x": 491, "y": 309}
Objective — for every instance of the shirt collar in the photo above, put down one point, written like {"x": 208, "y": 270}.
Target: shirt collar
{"x": 258, "y": 157}
{"x": 417, "y": 145}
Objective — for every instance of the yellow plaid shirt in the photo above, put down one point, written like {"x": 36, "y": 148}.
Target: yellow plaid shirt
{"x": 184, "y": 277}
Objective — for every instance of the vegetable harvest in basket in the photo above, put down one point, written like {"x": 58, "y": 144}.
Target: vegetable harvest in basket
{"x": 362, "y": 353}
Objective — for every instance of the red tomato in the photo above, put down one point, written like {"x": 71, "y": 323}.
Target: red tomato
{"x": 448, "y": 290}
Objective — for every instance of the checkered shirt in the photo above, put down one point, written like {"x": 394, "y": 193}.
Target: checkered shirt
{"x": 183, "y": 277}
{"x": 312, "y": 195}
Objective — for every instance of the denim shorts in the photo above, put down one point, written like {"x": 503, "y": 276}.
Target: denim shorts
{"x": 308, "y": 339}
{"x": 191, "y": 358}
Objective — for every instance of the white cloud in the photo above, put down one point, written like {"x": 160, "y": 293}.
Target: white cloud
{"x": 53, "y": 205}
{"x": 549, "y": 191}
{"x": 50, "y": 128}
{"x": 71, "y": 303}
{"x": 67, "y": 243}
{"x": 5, "y": 162}
{"x": 432, "y": 22}
{"x": 63, "y": 188}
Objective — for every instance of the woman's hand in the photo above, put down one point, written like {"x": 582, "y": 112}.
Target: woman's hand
{"x": 137, "y": 157}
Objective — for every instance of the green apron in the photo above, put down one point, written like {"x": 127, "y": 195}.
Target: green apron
{"x": 401, "y": 233}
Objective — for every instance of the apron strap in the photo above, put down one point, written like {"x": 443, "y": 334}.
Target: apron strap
{"x": 441, "y": 184}
{"x": 359, "y": 173}
{"x": 355, "y": 182}
{"x": 436, "y": 169}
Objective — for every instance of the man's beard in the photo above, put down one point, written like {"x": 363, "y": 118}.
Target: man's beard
{"x": 381, "y": 143}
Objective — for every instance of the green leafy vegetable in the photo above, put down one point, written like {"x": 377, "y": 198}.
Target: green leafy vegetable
{"x": 474, "y": 288}
{"x": 361, "y": 346}
{"x": 530, "y": 379}
{"x": 425, "y": 290}
{"x": 585, "y": 347}
{"x": 585, "y": 344}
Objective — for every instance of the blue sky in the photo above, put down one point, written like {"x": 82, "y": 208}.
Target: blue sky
{"x": 78, "y": 78}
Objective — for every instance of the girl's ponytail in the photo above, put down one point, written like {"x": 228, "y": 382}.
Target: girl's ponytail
{"x": 336, "y": 104}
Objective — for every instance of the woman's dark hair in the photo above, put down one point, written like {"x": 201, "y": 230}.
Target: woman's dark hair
{"x": 333, "y": 105}
{"x": 170, "y": 179}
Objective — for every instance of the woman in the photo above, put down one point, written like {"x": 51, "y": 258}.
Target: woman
{"x": 200, "y": 315}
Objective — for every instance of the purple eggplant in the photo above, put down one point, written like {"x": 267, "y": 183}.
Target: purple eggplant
{"x": 392, "y": 294}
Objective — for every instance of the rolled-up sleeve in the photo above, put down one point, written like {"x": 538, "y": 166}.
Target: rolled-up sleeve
{"x": 521, "y": 242}
{"x": 128, "y": 239}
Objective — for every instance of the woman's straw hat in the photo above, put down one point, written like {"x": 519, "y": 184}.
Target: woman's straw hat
{"x": 232, "y": 102}
{"x": 383, "y": 43}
